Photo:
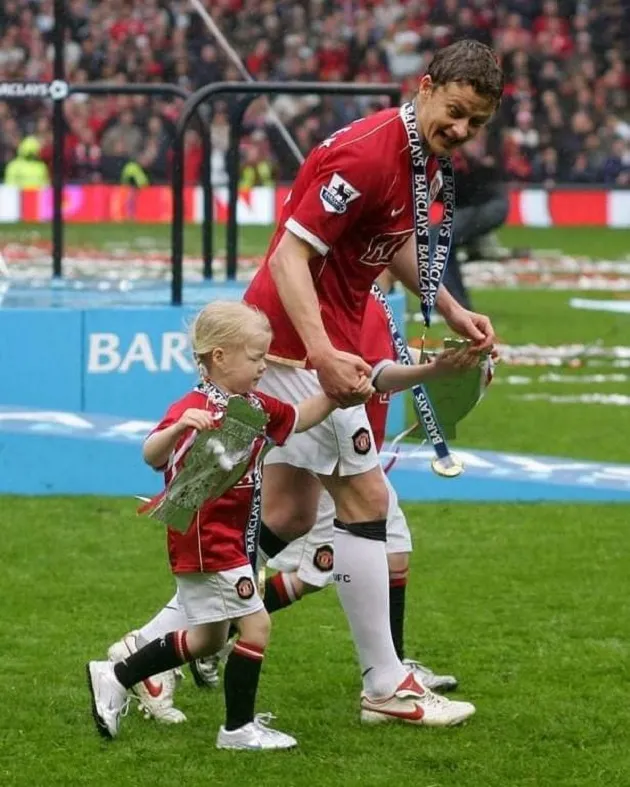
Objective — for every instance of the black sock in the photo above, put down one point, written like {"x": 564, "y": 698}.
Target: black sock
{"x": 269, "y": 543}
{"x": 276, "y": 596}
{"x": 397, "y": 589}
{"x": 159, "y": 655}
{"x": 240, "y": 684}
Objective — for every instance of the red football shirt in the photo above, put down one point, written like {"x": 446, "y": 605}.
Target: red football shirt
{"x": 352, "y": 202}
{"x": 215, "y": 540}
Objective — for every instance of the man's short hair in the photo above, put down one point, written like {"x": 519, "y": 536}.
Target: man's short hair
{"x": 469, "y": 62}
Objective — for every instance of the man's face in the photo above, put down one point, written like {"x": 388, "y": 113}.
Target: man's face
{"x": 451, "y": 115}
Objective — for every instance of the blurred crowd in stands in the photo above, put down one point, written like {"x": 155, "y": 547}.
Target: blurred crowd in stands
{"x": 565, "y": 117}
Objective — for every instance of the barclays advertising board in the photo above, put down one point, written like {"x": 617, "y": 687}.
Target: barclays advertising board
{"x": 122, "y": 361}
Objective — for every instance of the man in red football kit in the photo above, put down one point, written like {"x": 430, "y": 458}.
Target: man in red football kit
{"x": 350, "y": 215}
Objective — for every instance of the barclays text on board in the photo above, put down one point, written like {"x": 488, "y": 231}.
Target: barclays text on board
{"x": 108, "y": 353}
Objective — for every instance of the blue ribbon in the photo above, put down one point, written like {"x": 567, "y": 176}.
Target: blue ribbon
{"x": 432, "y": 257}
{"x": 432, "y": 260}
{"x": 252, "y": 530}
{"x": 421, "y": 403}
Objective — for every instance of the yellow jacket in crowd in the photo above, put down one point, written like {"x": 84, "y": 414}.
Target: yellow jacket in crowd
{"x": 27, "y": 170}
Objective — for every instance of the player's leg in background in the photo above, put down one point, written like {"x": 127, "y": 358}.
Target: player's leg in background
{"x": 290, "y": 496}
{"x": 399, "y": 546}
{"x": 398, "y": 567}
{"x": 305, "y": 566}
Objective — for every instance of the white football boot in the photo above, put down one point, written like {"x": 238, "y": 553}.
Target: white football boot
{"x": 256, "y": 735}
{"x": 205, "y": 671}
{"x": 155, "y": 694}
{"x": 413, "y": 704}
{"x": 109, "y": 697}
{"x": 429, "y": 679}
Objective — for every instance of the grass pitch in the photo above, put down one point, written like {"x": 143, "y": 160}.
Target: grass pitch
{"x": 528, "y": 605}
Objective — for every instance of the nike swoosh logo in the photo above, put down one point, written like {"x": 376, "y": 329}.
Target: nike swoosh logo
{"x": 154, "y": 689}
{"x": 415, "y": 715}
{"x": 396, "y": 212}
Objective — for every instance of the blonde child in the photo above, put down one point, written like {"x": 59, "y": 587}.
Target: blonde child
{"x": 215, "y": 581}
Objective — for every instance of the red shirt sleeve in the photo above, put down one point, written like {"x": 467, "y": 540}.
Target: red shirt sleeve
{"x": 282, "y": 418}
{"x": 173, "y": 414}
{"x": 337, "y": 188}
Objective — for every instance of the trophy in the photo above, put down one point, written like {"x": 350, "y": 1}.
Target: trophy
{"x": 454, "y": 397}
{"x": 216, "y": 461}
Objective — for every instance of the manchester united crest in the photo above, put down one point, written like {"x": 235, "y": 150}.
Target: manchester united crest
{"x": 245, "y": 588}
{"x": 362, "y": 441}
{"x": 323, "y": 558}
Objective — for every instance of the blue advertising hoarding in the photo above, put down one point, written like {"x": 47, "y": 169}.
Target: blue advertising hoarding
{"x": 122, "y": 361}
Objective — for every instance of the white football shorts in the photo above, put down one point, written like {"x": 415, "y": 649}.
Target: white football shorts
{"x": 224, "y": 595}
{"x": 342, "y": 440}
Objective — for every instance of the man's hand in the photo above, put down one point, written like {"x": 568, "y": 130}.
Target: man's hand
{"x": 341, "y": 374}
{"x": 473, "y": 326}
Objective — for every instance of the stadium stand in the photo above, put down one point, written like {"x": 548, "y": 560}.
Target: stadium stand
{"x": 565, "y": 117}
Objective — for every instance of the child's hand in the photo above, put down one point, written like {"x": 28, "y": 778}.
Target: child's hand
{"x": 363, "y": 391}
{"x": 454, "y": 361}
{"x": 197, "y": 419}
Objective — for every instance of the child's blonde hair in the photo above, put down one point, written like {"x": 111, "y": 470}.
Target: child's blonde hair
{"x": 225, "y": 324}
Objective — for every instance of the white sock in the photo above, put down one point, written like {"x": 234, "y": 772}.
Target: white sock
{"x": 169, "y": 618}
{"x": 362, "y": 579}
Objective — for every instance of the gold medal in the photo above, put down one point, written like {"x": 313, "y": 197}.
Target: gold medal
{"x": 448, "y": 467}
